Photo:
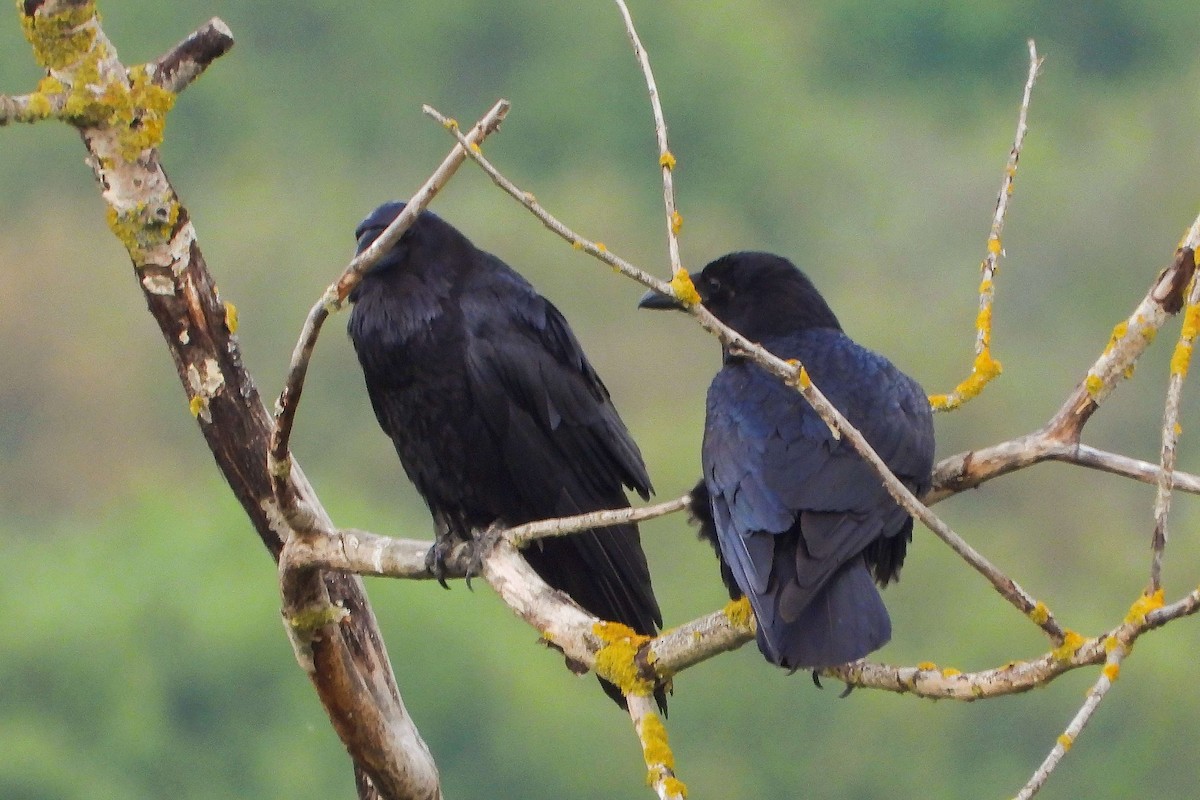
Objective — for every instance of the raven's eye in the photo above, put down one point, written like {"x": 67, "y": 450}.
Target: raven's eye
{"x": 716, "y": 289}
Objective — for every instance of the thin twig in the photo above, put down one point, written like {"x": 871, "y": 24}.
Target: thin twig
{"x": 1067, "y": 738}
{"x": 364, "y": 553}
{"x": 523, "y": 535}
{"x": 985, "y": 368}
{"x": 1147, "y": 613}
{"x": 963, "y": 471}
{"x": 594, "y": 249}
{"x": 1180, "y": 361}
{"x": 666, "y": 159}
{"x": 279, "y": 457}
{"x": 1139, "y": 470}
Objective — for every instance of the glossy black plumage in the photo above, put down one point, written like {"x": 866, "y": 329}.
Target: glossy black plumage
{"x": 802, "y": 524}
{"x": 495, "y": 412}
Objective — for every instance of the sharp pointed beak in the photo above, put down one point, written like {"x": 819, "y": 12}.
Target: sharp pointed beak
{"x": 658, "y": 302}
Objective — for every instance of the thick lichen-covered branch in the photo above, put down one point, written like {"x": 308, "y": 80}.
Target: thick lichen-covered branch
{"x": 121, "y": 114}
{"x": 985, "y": 367}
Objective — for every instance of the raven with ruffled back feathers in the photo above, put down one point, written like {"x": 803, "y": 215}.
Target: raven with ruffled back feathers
{"x": 802, "y": 524}
{"x": 496, "y": 414}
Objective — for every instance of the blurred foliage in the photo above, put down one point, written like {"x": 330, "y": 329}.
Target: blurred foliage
{"x": 143, "y": 655}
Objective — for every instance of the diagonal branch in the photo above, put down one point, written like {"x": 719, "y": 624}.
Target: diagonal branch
{"x": 656, "y": 751}
{"x": 188, "y": 60}
{"x": 1130, "y": 338}
{"x": 1171, "y": 429}
{"x": 289, "y": 398}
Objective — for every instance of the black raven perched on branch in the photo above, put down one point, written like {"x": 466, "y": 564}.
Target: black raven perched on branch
{"x": 802, "y": 524}
{"x": 496, "y": 414}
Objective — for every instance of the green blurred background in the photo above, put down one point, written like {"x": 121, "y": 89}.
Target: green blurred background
{"x": 142, "y": 654}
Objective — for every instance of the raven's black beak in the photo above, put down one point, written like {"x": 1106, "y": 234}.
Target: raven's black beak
{"x": 658, "y": 302}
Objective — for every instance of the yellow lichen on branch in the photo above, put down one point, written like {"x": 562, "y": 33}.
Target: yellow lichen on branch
{"x": 138, "y": 110}
{"x": 144, "y": 226}
{"x": 983, "y": 371}
{"x": 62, "y": 39}
{"x": 676, "y": 222}
{"x": 685, "y": 291}
{"x": 660, "y": 761}
{"x": 802, "y": 381}
{"x": 88, "y": 95}
{"x": 740, "y": 614}
{"x": 985, "y": 368}
{"x": 1072, "y": 641}
{"x": 1143, "y": 606}
{"x": 616, "y": 661}
{"x": 1182, "y": 357}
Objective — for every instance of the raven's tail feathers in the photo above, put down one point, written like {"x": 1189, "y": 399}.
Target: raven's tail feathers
{"x": 845, "y": 621}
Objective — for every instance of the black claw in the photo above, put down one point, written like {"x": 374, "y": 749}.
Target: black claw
{"x": 435, "y": 560}
{"x": 480, "y": 545}
{"x": 816, "y": 680}
{"x": 846, "y": 692}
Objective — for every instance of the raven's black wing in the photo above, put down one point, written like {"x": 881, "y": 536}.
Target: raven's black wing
{"x": 794, "y": 508}
{"x": 561, "y": 438}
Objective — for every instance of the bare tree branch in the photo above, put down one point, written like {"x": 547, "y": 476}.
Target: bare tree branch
{"x": 176, "y": 70}
{"x": 1171, "y": 430}
{"x": 985, "y": 367}
{"x": 120, "y": 113}
{"x": 666, "y": 159}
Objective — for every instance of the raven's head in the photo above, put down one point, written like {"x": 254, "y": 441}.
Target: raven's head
{"x": 375, "y": 223}
{"x": 756, "y": 294}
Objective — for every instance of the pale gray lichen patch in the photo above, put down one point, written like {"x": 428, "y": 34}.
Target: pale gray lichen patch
{"x": 158, "y": 284}
{"x": 205, "y": 381}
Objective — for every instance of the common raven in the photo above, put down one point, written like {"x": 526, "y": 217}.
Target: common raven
{"x": 802, "y": 524}
{"x": 496, "y": 414}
